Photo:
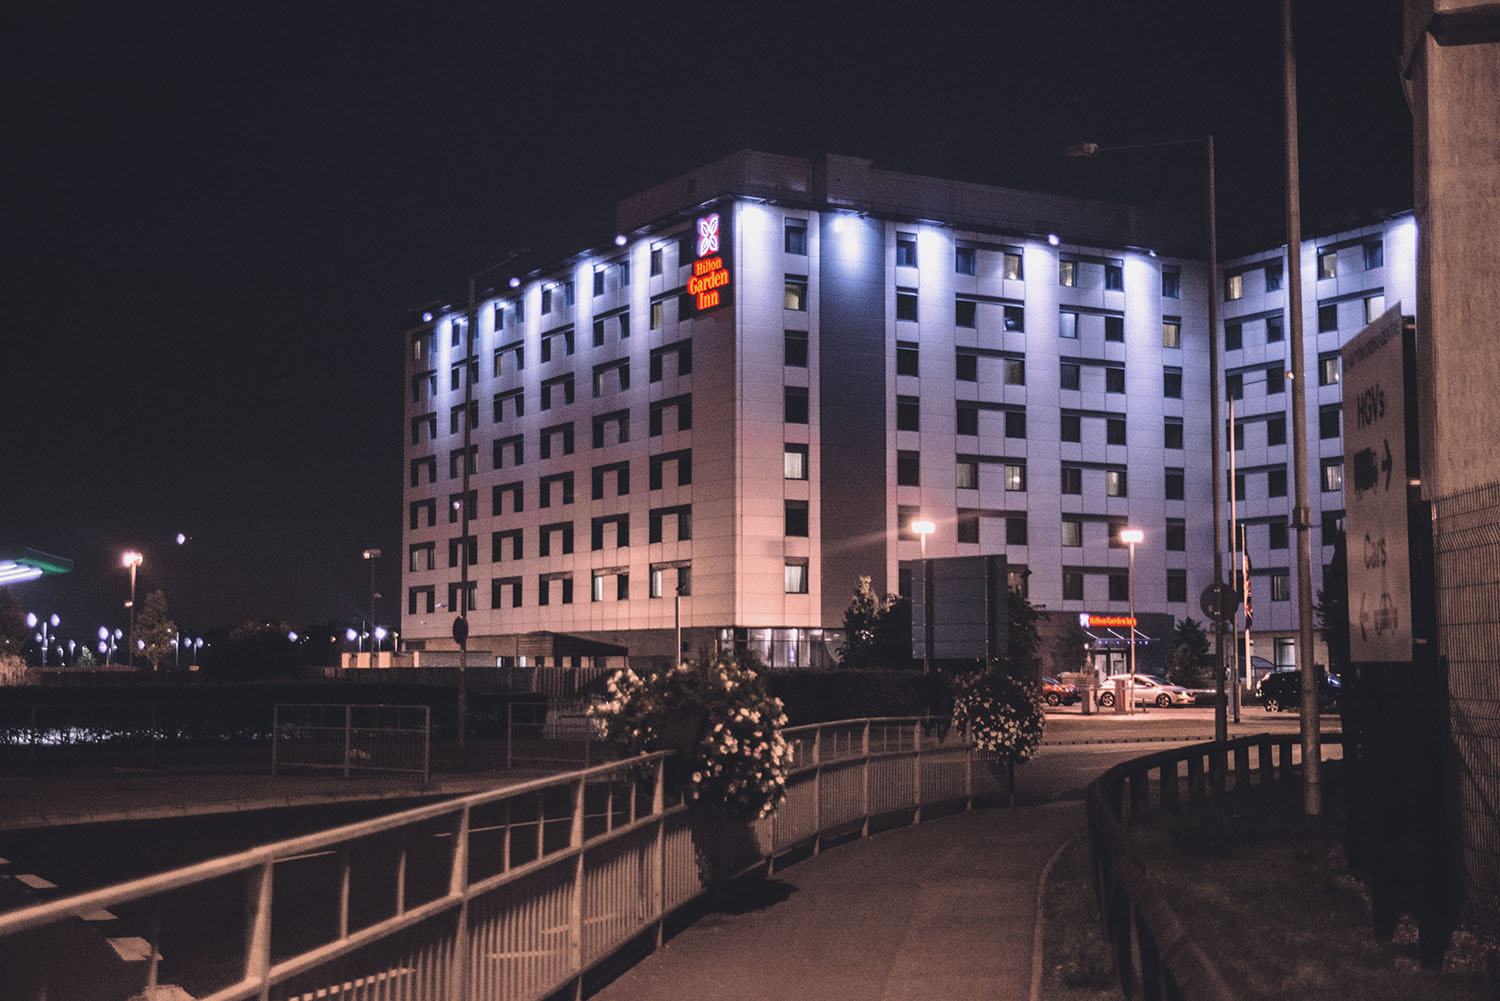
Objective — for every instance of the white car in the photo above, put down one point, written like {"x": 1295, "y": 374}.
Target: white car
{"x": 1149, "y": 690}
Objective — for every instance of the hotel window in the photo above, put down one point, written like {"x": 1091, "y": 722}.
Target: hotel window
{"x": 1015, "y": 318}
{"x": 1328, "y": 420}
{"x": 1015, "y": 424}
{"x": 1015, "y": 579}
{"x": 1068, "y": 375}
{"x": 428, "y": 463}
{"x": 1071, "y": 427}
{"x": 456, "y": 461}
{"x": 455, "y": 417}
{"x": 795, "y": 295}
{"x": 968, "y": 475}
{"x": 908, "y": 413}
{"x": 1175, "y": 480}
{"x": 598, "y": 281}
{"x": 457, "y": 330}
{"x": 682, "y": 459}
{"x": 968, "y": 418}
{"x": 684, "y": 584}
{"x": 1276, "y": 430}
{"x": 455, "y": 546}
{"x": 600, "y": 475}
{"x": 1328, "y": 317}
{"x": 1234, "y": 386}
{"x": 1238, "y": 432}
{"x": 1067, "y": 272}
{"x": 467, "y": 593}
{"x": 1374, "y": 306}
{"x": 454, "y": 509}
{"x": 1114, "y": 277}
{"x": 625, "y": 325}
{"x": 1072, "y": 585}
{"x": 1015, "y": 372}
{"x": 796, "y": 519}
{"x": 1239, "y": 486}
{"x": 1274, "y": 329}
{"x": 1171, "y": 432}
{"x": 1273, "y": 275}
{"x": 795, "y": 351}
{"x": 1114, "y": 483}
{"x": 564, "y": 387}
{"x": 619, "y": 420}
{"x": 1234, "y": 287}
{"x": 1333, "y": 474}
{"x": 1015, "y": 530}
{"x": 1067, "y": 324}
{"x": 966, "y": 366}
{"x": 682, "y": 406}
{"x": 1332, "y": 526}
{"x": 682, "y": 351}
{"x": 621, "y": 371}
{"x": 1328, "y": 369}
{"x": 906, "y": 306}
{"x": 905, "y": 515}
{"x": 1234, "y": 336}
{"x": 1328, "y": 264}
{"x": 655, "y": 261}
{"x": 965, "y": 313}
{"x": 1171, "y": 333}
{"x": 1276, "y": 482}
{"x": 598, "y": 333}
{"x": 1114, "y": 379}
{"x": 427, "y": 422}
{"x": 1374, "y": 255}
{"x": 794, "y": 406}
{"x": 796, "y": 577}
{"x": 1072, "y": 533}
{"x": 423, "y": 345}
{"x": 1119, "y": 587}
{"x": 547, "y": 342}
{"x": 1176, "y": 535}
{"x": 546, "y": 300}
{"x": 1012, "y": 267}
{"x": 600, "y": 538}
{"x": 906, "y": 358}
{"x": 658, "y": 314}
{"x": 1177, "y": 586}
{"x": 794, "y": 461}
{"x": 497, "y": 545}
{"x": 422, "y": 556}
{"x": 517, "y": 493}
{"x": 563, "y": 530}
{"x": 544, "y": 588}
{"x": 1114, "y": 431}
{"x": 1278, "y": 536}
{"x": 1281, "y": 587}
{"x": 966, "y": 529}
{"x": 1072, "y": 480}
{"x": 1114, "y": 328}
{"x": 908, "y": 469}
{"x": 681, "y": 516}
{"x": 1275, "y": 380}
{"x": 906, "y": 250}
{"x": 964, "y": 261}
{"x": 1171, "y": 283}
{"x": 497, "y": 592}
{"x": 796, "y": 237}
{"x": 568, "y": 299}
{"x": 1171, "y": 383}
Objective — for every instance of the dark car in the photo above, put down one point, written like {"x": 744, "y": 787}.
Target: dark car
{"x": 1283, "y": 690}
{"x": 1055, "y": 693}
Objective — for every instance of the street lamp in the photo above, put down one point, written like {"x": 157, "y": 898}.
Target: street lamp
{"x": 130, "y": 560}
{"x": 380, "y": 635}
{"x": 923, "y": 528}
{"x": 1131, "y": 537}
{"x": 372, "y": 555}
{"x": 44, "y": 637}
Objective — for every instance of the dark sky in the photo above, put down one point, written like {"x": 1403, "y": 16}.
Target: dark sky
{"x": 216, "y": 222}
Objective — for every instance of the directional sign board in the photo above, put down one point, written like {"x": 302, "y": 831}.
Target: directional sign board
{"x": 1374, "y": 381}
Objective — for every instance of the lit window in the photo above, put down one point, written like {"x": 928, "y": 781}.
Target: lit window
{"x": 1012, "y": 266}
{"x": 1328, "y": 264}
{"x": 1333, "y": 474}
{"x": 1067, "y": 324}
{"x": 1171, "y": 334}
{"x": 1072, "y": 533}
{"x": 1015, "y": 476}
{"x": 968, "y": 475}
{"x": 1281, "y": 587}
{"x": 1374, "y": 306}
{"x": 657, "y": 315}
{"x": 796, "y": 578}
{"x": 794, "y": 462}
{"x": 1015, "y": 372}
{"x": 796, "y": 294}
{"x": 1114, "y": 483}
{"x": 1067, "y": 273}
{"x": 1234, "y": 287}
{"x": 1328, "y": 369}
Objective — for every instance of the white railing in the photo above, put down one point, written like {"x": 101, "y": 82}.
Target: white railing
{"x": 511, "y": 894}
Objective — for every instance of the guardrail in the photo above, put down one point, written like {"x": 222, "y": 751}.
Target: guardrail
{"x": 1155, "y": 956}
{"x": 352, "y": 738}
{"x": 517, "y": 893}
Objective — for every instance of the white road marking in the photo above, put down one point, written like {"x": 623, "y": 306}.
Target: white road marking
{"x": 37, "y": 882}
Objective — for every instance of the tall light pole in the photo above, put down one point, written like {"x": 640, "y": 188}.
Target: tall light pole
{"x": 47, "y": 627}
{"x": 1221, "y": 719}
{"x": 371, "y": 555}
{"x": 677, "y": 620}
{"x": 924, "y": 528}
{"x": 1131, "y": 537}
{"x": 130, "y": 560}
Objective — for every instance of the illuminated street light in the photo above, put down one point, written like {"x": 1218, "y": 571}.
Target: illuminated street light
{"x": 380, "y": 635}
{"x": 45, "y": 630}
{"x": 131, "y": 559}
{"x": 1132, "y": 537}
{"x": 372, "y": 555}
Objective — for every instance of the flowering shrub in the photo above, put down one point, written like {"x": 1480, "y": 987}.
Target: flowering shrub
{"x": 1003, "y": 714}
{"x": 720, "y": 717}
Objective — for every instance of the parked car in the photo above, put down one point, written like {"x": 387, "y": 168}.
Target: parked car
{"x": 1055, "y": 693}
{"x": 1283, "y": 690}
{"x": 1149, "y": 690}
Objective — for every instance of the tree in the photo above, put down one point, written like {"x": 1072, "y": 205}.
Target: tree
{"x": 1189, "y": 654}
{"x": 877, "y": 633}
{"x": 153, "y": 630}
{"x": 1020, "y": 659}
{"x": 14, "y": 633}
{"x": 1070, "y": 651}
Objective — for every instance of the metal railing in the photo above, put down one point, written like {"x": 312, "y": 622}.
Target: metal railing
{"x": 511, "y": 894}
{"x": 352, "y": 738}
{"x": 1155, "y": 955}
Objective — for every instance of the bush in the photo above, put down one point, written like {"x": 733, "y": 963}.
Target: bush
{"x": 1003, "y": 714}
{"x": 826, "y": 696}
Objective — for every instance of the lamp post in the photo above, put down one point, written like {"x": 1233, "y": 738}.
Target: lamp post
{"x": 1131, "y": 537}
{"x": 371, "y": 555}
{"x": 924, "y": 528}
{"x": 677, "y": 620}
{"x": 131, "y": 560}
{"x": 44, "y": 636}
{"x": 1221, "y": 720}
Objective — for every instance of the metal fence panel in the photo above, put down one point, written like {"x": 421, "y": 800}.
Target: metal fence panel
{"x": 352, "y": 738}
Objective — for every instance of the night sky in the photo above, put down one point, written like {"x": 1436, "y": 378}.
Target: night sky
{"x": 216, "y": 228}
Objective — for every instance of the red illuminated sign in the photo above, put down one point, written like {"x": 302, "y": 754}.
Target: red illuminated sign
{"x": 709, "y": 286}
{"x": 1110, "y": 621}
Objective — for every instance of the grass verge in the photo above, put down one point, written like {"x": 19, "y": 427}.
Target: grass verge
{"x": 1077, "y": 964}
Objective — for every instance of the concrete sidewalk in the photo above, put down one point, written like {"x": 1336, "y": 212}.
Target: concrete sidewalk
{"x": 943, "y": 910}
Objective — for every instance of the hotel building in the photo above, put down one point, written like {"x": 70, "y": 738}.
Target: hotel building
{"x": 722, "y": 419}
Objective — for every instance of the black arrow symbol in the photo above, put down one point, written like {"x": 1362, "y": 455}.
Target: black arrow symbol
{"x": 1386, "y": 464}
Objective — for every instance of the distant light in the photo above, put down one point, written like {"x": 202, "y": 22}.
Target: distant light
{"x": 12, "y": 572}
{"x": 620, "y": 240}
{"x": 119, "y": 634}
{"x": 923, "y": 527}
{"x": 292, "y": 635}
{"x": 130, "y": 558}
{"x": 515, "y": 283}
{"x": 140, "y": 644}
{"x": 1151, "y": 252}
{"x": 1052, "y": 239}
{"x": 181, "y": 538}
{"x": 351, "y": 635}
{"x": 54, "y": 620}
{"x": 380, "y": 632}
{"x": 1132, "y": 536}
{"x": 104, "y": 632}
{"x": 426, "y": 317}
{"x": 31, "y": 620}
{"x": 103, "y": 647}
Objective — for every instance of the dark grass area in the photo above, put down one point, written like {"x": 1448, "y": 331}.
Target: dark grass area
{"x": 1077, "y": 964}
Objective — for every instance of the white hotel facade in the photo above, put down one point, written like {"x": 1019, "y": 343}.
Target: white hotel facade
{"x": 781, "y": 363}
